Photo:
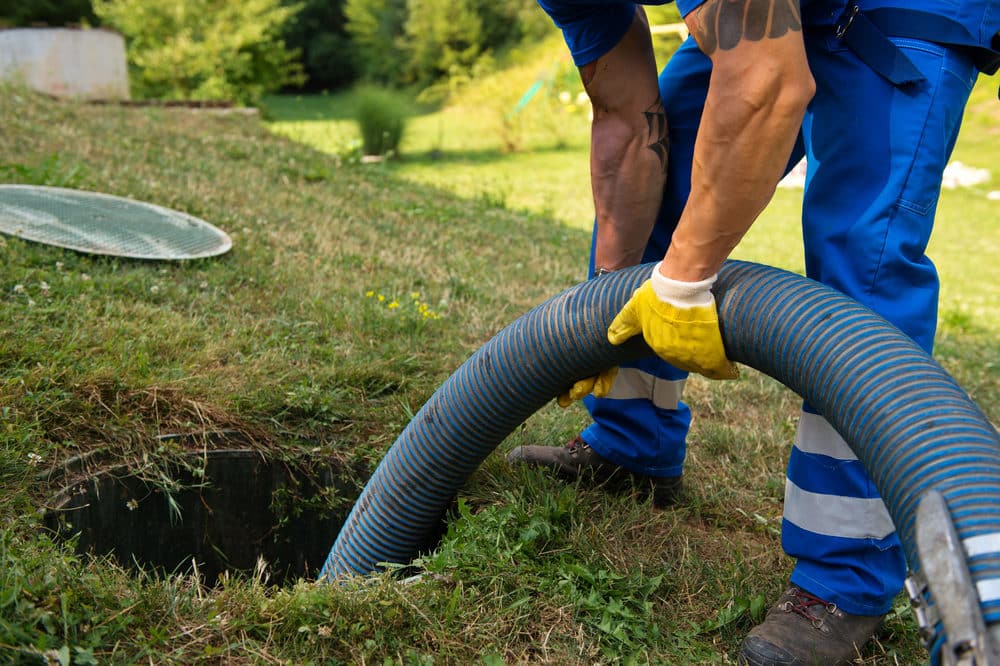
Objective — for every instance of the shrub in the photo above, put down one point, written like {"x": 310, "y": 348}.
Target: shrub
{"x": 205, "y": 49}
{"x": 382, "y": 116}
{"x": 48, "y": 12}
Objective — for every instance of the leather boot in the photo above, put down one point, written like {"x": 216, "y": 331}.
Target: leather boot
{"x": 577, "y": 460}
{"x": 804, "y": 630}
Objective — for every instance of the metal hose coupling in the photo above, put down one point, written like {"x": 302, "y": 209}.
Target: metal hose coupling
{"x": 945, "y": 600}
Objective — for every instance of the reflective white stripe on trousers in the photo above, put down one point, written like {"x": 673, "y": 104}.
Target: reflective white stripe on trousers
{"x": 633, "y": 383}
{"x": 832, "y": 515}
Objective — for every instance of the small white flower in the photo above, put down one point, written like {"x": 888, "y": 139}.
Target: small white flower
{"x": 84, "y": 277}
{"x": 18, "y": 288}
{"x": 59, "y": 265}
{"x": 34, "y": 458}
{"x": 204, "y": 284}
{"x": 44, "y": 287}
{"x": 132, "y": 505}
{"x": 154, "y": 289}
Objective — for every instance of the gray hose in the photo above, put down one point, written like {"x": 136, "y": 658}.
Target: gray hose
{"x": 913, "y": 428}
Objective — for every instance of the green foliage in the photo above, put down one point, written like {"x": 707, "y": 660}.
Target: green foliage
{"x": 662, "y": 14}
{"x": 51, "y": 171}
{"x": 56, "y": 13}
{"x": 416, "y": 42}
{"x": 738, "y": 609}
{"x": 329, "y": 61}
{"x": 318, "y": 32}
{"x": 505, "y": 24}
{"x": 441, "y": 35}
{"x": 382, "y": 116}
{"x": 615, "y": 607}
{"x": 205, "y": 49}
{"x": 543, "y": 107}
{"x": 376, "y": 28}
{"x": 46, "y": 602}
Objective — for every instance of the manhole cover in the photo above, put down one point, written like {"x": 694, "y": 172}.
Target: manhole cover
{"x": 103, "y": 224}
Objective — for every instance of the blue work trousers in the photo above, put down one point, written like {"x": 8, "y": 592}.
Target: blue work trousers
{"x": 875, "y": 155}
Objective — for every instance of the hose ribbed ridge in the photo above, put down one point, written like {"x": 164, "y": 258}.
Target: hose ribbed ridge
{"x": 910, "y": 424}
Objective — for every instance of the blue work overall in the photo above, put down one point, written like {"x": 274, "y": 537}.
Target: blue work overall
{"x": 877, "y": 137}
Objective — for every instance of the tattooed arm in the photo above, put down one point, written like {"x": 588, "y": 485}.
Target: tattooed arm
{"x": 757, "y": 96}
{"x": 628, "y": 146}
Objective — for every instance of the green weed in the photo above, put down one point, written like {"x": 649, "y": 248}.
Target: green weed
{"x": 52, "y": 171}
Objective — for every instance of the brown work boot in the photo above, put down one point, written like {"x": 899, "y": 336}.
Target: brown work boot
{"x": 803, "y": 630}
{"x": 577, "y": 460}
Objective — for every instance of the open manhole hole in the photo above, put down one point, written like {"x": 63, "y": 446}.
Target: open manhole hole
{"x": 242, "y": 508}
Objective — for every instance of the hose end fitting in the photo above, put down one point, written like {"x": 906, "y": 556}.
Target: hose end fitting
{"x": 945, "y": 600}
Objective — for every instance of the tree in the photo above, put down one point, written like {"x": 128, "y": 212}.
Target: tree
{"x": 505, "y": 24}
{"x": 416, "y": 42}
{"x": 376, "y": 28}
{"x": 319, "y": 32}
{"x": 441, "y": 35}
{"x": 205, "y": 49}
{"x": 56, "y": 13}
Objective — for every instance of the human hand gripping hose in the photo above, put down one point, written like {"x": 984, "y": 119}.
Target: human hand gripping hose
{"x": 599, "y": 385}
{"x": 679, "y": 322}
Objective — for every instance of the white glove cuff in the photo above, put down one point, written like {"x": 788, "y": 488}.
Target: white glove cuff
{"x": 682, "y": 294}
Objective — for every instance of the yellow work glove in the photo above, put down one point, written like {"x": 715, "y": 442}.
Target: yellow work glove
{"x": 679, "y": 322}
{"x": 599, "y": 386}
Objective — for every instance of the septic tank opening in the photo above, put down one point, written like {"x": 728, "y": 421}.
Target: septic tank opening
{"x": 242, "y": 507}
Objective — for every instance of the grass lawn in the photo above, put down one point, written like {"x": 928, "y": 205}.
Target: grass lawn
{"x": 286, "y": 344}
{"x": 460, "y": 149}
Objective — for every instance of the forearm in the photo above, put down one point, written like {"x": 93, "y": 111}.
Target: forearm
{"x": 628, "y": 163}
{"x": 628, "y": 147}
{"x": 740, "y": 155}
{"x": 756, "y": 100}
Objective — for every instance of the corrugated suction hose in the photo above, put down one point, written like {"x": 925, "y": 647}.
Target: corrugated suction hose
{"x": 906, "y": 419}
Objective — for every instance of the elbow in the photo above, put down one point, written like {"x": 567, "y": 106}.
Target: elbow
{"x": 785, "y": 95}
{"x": 613, "y": 141}
{"x": 771, "y": 88}
{"x": 797, "y": 92}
